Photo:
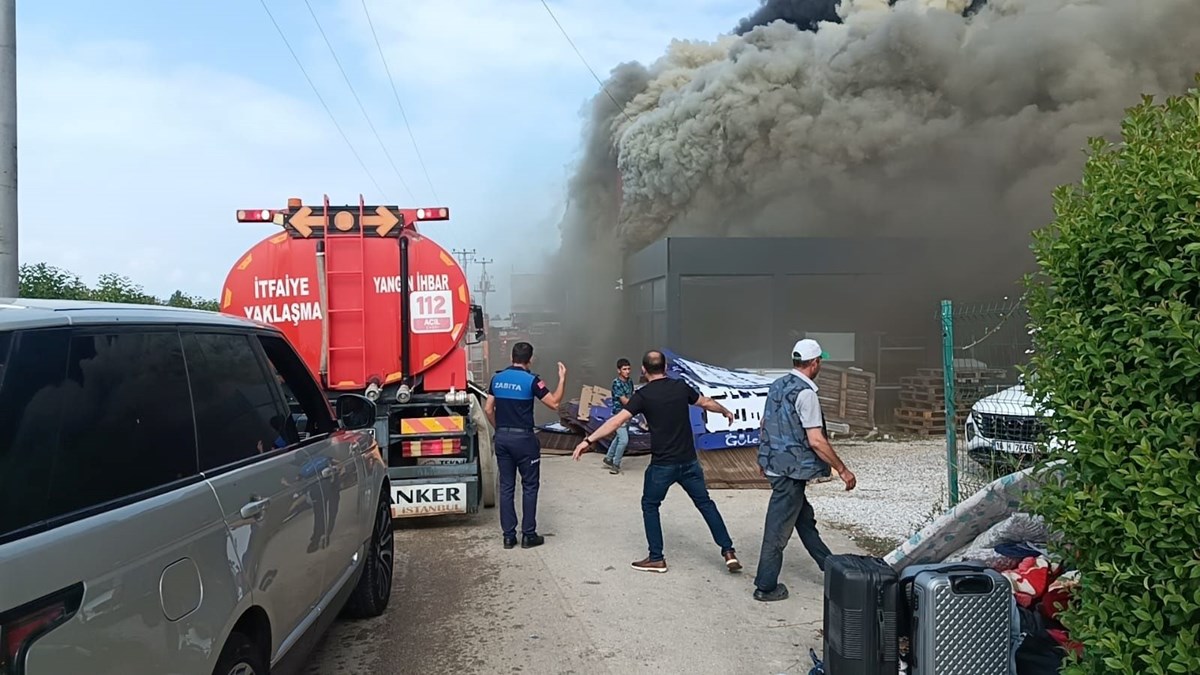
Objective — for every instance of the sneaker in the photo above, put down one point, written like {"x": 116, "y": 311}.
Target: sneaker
{"x": 780, "y": 592}
{"x": 532, "y": 540}
{"x": 614, "y": 469}
{"x": 649, "y": 565}
{"x": 510, "y": 541}
{"x": 607, "y": 461}
{"x": 731, "y": 560}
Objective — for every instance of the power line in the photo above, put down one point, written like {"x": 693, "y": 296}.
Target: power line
{"x": 323, "y": 103}
{"x": 585, "y": 63}
{"x": 358, "y": 100}
{"x": 395, "y": 93}
{"x": 465, "y": 257}
{"x": 485, "y": 283}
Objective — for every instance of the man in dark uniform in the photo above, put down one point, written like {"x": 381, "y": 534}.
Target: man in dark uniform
{"x": 509, "y": 407}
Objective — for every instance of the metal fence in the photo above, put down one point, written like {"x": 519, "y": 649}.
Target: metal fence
{"x": 991, "y": 424}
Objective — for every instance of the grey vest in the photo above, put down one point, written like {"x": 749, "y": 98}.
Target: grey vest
{"x": 783, "y": 447}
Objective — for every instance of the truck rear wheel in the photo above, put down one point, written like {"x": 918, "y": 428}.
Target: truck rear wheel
{"x": 488, "y": 471}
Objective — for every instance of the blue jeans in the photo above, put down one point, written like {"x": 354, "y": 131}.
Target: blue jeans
{"x": 689, "y": 475}
{"x": 788, "y": 509}
{"x": 518, "y": 452}
{"x": 616, "y": 449}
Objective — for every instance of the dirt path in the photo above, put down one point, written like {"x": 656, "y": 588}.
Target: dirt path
{"x": 463, "y": 604}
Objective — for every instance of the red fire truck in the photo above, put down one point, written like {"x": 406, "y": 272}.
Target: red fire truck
{"x": 376, "y": 307}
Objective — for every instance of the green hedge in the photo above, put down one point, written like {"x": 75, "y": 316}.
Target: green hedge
{"x": 1116, "y": 315}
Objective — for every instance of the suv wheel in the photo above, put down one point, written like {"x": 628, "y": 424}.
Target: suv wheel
{"x": 240, "y": 657}
{"x": 374, "y": 590}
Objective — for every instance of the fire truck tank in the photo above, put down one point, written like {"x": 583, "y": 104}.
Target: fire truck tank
{"x": 334, "y": 282}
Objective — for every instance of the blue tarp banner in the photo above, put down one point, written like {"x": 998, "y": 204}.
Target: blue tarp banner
{"x": 739, "y": 391}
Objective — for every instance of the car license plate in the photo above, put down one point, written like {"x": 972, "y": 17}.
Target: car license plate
{"x": 1015, "y": 447}
{"x": 430, "y": 499}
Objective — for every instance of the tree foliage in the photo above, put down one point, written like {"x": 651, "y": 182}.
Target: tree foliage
{"x": 40, "y": 280}
{"x": 1116, "y": 311}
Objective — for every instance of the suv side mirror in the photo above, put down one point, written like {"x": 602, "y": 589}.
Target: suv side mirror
{"x": 355, "y": 411}
{"x": 477, "y": 320}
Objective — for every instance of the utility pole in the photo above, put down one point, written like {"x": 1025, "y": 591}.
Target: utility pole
{"x": 9, "y": 282}
{"x": 465, "y": 256}
{"x": 485, "y": 284}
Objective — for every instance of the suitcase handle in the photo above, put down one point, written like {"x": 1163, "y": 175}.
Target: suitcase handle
{"x": 906, "y": 583}
{"x": 972, "y": 584}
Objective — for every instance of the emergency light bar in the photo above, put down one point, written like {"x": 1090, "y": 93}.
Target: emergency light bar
{"x": 381, "y": 220}
{"x": 441, "y": 213}
{"x": 256, "y": 216}
{"x": 268, "y": 215}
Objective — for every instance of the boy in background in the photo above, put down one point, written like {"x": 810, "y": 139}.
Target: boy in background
{"x": 622, "y": 389}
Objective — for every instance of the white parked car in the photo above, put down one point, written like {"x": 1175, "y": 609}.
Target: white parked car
{"x": 1005, "y": 428}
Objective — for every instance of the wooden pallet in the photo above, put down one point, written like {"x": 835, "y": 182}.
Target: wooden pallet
{"x": 974, "y": 373}
{"x": 732, "y": 469}
{"x": 922, "y": 413}
{"x": 923, "y": 422}
{"x": 917, "y": 430}
{"x": 920, "y": 398}
{"x": 847, "y": 396}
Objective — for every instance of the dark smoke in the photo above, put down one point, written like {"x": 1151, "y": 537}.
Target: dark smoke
{"x": 928, "y": 118}
{"x": 808, "y": 14}
{"x": 804, "y": 14}
{"x": 590, "y": 262}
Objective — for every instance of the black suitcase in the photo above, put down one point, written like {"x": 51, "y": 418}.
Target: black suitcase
{"x": 862, "y": 599}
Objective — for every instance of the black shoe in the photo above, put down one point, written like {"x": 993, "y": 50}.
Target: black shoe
{"x": 779, "y": 593}
{"x": 510, "y": 542}
{"x": 607, "y": 461}
{"x": 531, "y": 540}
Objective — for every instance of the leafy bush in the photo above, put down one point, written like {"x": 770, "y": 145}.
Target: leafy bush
{"x": 1116, "y": 311}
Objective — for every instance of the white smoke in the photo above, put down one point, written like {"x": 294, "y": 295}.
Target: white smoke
{"x": 911, "y": 119}
{"x": 908, "y": 120}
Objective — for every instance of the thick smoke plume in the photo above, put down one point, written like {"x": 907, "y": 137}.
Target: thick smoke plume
{"x": 804, "y": 14}
{"x": 936, "y": 118}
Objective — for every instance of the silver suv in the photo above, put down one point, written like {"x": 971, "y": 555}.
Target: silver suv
{"x": 176, "y": 495}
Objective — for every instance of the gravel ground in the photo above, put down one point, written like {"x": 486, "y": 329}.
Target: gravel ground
{"x": 899, "y": 483}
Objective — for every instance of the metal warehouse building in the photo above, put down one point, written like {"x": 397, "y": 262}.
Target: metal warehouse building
{"x": 742, "y": 302}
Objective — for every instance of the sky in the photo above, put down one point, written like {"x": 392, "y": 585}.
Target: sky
{"x": 144, "y": 125}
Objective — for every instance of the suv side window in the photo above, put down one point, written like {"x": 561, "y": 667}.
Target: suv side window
{"x": 34, "y": 380}
{"x": 5, "y": 343}
{"x": 298, "y": 384}
{"x": 90, "y": 417}
{"x": 239, "y": 413}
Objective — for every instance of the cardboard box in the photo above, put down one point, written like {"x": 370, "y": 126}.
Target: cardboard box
{"x": 591, "y": 396}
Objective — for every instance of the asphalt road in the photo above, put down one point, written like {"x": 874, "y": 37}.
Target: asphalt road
{"x": 463, "y": 604}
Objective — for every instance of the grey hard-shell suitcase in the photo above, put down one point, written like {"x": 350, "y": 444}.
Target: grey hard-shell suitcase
{"x": 960, "y": 620}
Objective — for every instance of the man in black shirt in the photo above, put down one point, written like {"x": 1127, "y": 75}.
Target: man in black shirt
{"x": 664, "y": 402}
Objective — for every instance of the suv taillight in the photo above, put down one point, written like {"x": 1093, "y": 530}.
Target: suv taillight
{"x": 19, "y": 627}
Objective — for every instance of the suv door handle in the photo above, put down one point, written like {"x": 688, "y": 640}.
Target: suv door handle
{"x": 255, "y": 509}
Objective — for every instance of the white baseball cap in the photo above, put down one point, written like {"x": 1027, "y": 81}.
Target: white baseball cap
{"x": 807, "y": 350}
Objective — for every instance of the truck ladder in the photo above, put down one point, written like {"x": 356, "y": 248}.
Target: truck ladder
{"x": 345, "y": 260}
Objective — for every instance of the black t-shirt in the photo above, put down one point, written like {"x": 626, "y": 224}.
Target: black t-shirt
{"x": 665, "y": 403}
